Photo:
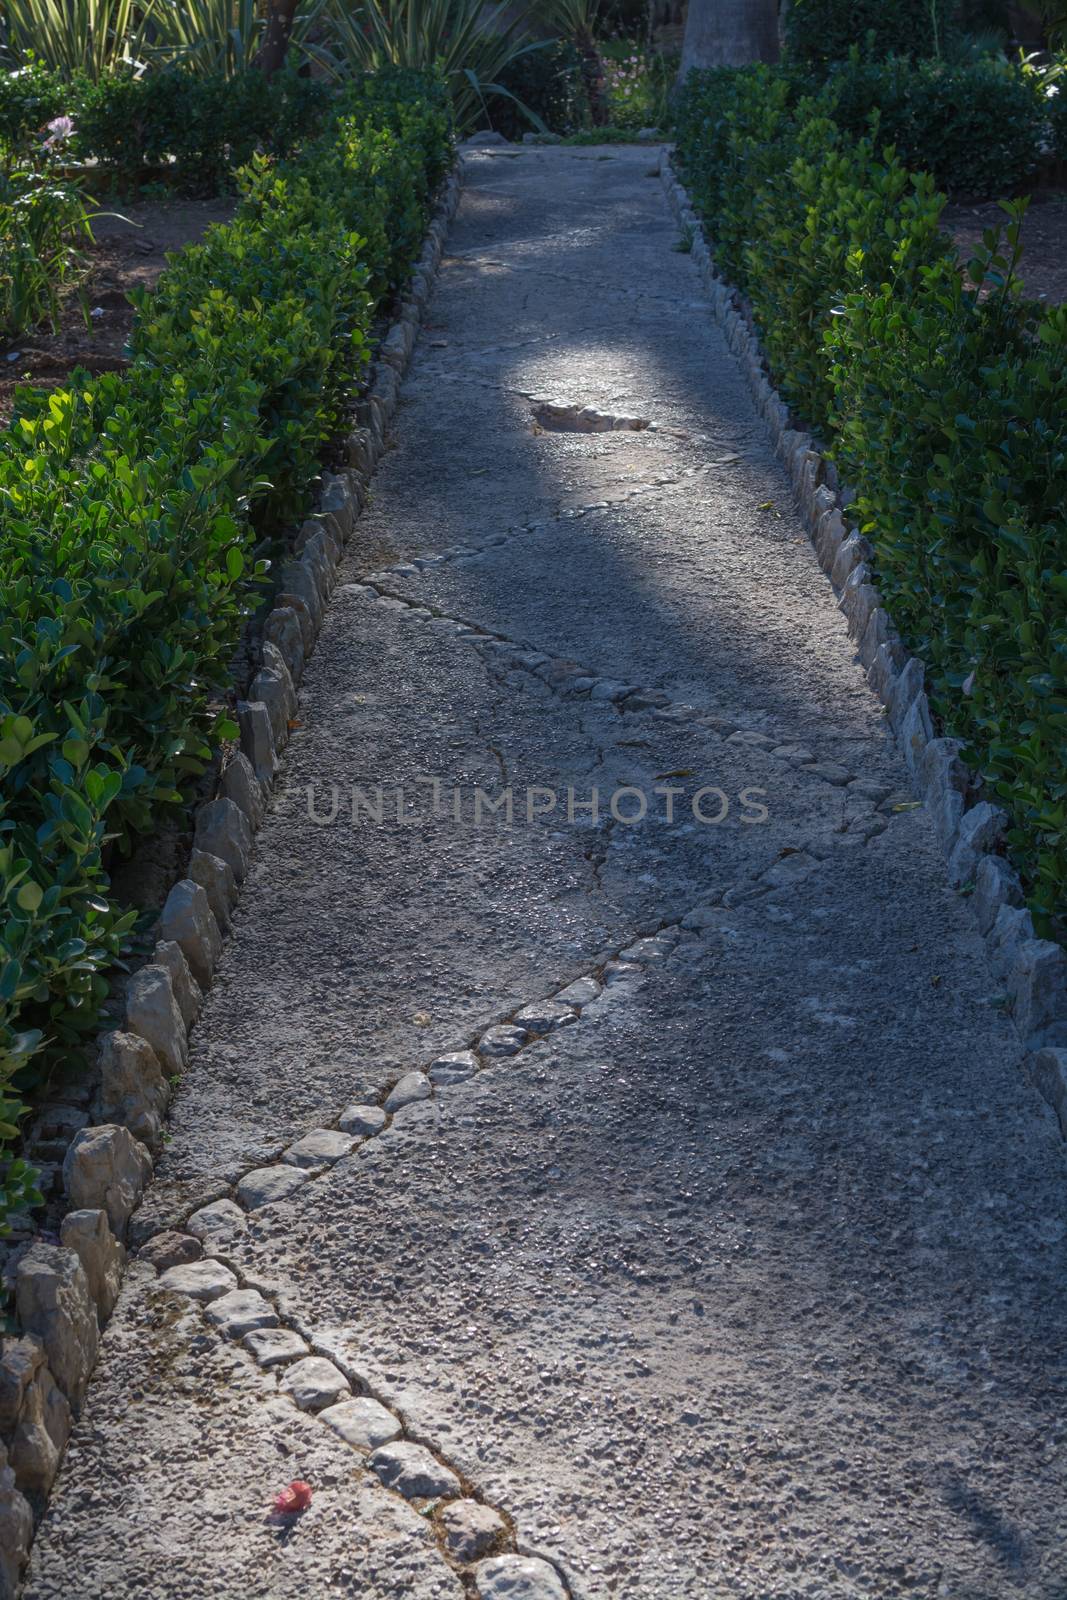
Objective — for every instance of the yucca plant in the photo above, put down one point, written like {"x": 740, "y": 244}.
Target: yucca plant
{"x": 470, "y": 41}
{"x": 88, "y": 36}
{"x": 208, "y": 36}
{"x": 577, "y": 21}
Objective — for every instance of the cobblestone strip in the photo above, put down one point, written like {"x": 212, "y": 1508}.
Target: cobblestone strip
{"x": 193, "y": 1258}
{"x": 65, "y": 1288}
{"x": 970, "y": 828}
{"x": 475, "y": 1537}
{"x": 571, "y": 681}
{"x": 358, "y": 1125}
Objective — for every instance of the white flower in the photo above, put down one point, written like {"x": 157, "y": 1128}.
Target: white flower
{"x": 59, "y": 130}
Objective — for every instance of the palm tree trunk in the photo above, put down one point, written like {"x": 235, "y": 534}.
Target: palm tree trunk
{"x": 729, "y": 33}
{"x": 271, "y": 54}
{"x": 592, "y": 77}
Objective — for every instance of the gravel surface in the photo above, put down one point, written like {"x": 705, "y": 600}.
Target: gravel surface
{"x": 738, "y": 1272}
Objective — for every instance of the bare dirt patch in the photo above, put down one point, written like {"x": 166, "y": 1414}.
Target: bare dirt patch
{"x": 1044, "y": 236}
{"x": 128, "y": 252}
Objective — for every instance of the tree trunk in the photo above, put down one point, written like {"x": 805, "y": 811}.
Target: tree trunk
{"x": 592, "y": 77}
{"x": 271, "y": 53}
{"x": 729, "y": 33}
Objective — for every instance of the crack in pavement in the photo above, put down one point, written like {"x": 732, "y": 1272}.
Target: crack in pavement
{"x": 568, "y": 680}
{"x": 466, "y": 553}
{"x": 673, "y": 306}
{"x": 491, "y": 349}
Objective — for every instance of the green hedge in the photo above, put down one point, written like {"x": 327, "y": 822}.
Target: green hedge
{"x": 135, "y": 510}
{"x": 825, "y": 30}
{"x": 945, "y": 406}
{"x": 977, "y": 126}
{"x": 208, "y": 125}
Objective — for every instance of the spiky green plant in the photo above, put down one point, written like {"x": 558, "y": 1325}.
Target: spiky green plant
{"x": 210, "y": 36}
{"x": 470, "y": 41}
{"x": 578, "y": 21}
{"x": 88, "y": 36}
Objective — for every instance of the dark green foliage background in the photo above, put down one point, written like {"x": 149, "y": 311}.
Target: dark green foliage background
{"x": 825, "y": 30}
{"x": 206, "y": 126}
{"x": 548, "y": 81}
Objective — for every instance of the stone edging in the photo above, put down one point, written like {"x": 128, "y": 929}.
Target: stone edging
{"x": 1034, "y": 970}
{"x": 66, "y": 1288}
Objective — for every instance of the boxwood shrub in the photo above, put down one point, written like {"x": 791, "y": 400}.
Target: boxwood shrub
{"x": 1054, "y": 89}
{"x": 977, "y": 126}
{"x": 826, "y": 30}
{"x": 134, "y": 512}
{"x": 204, "y": 126}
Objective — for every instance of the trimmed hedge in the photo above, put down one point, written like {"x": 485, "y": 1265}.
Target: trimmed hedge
{"x": 826, "y": 30}
{"x": 136, "y": 507}
{"x": 951, "y": 419}
{"x": 943, "y": 398}
{"x": 208, "y": 125}
{"x": 977, "y": 126}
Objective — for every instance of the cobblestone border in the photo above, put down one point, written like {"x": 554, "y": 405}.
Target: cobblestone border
{"x": 66, "y": 1286}
{"x": 475, "y": 1537}
{"x": 970, "y": 829}
{"x": 194, "y": 1259}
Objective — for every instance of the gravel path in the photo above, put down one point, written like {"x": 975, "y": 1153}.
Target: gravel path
{"x": 744, "y": 1274}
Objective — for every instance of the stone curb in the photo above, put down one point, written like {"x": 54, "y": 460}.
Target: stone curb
{"x": 1034, "y": 970}
{"x": 65, "y": 1291}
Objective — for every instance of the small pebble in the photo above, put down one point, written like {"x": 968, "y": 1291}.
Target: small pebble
{"x": 412, "y": 1471}
{"x": 471, "y": 1529}
{"x": 170, "y": 1249}
{"x": 219, "y": 1220}
{"x": 319, "y": 1148}
{"x": 272, "y": 1346}
{"x": 265, "y": 1184}
{"x": 242, "y": 1311}
{"x": 579, "y": 993}
{"x": 517, "y": 1578}
{"x": 201, "y": 1280}
{"x": 543, "y": 1016}
{"x": 456, "y": 1067}
{"x": 362, "y": 1422}
{"x": 314, "y": 1383}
